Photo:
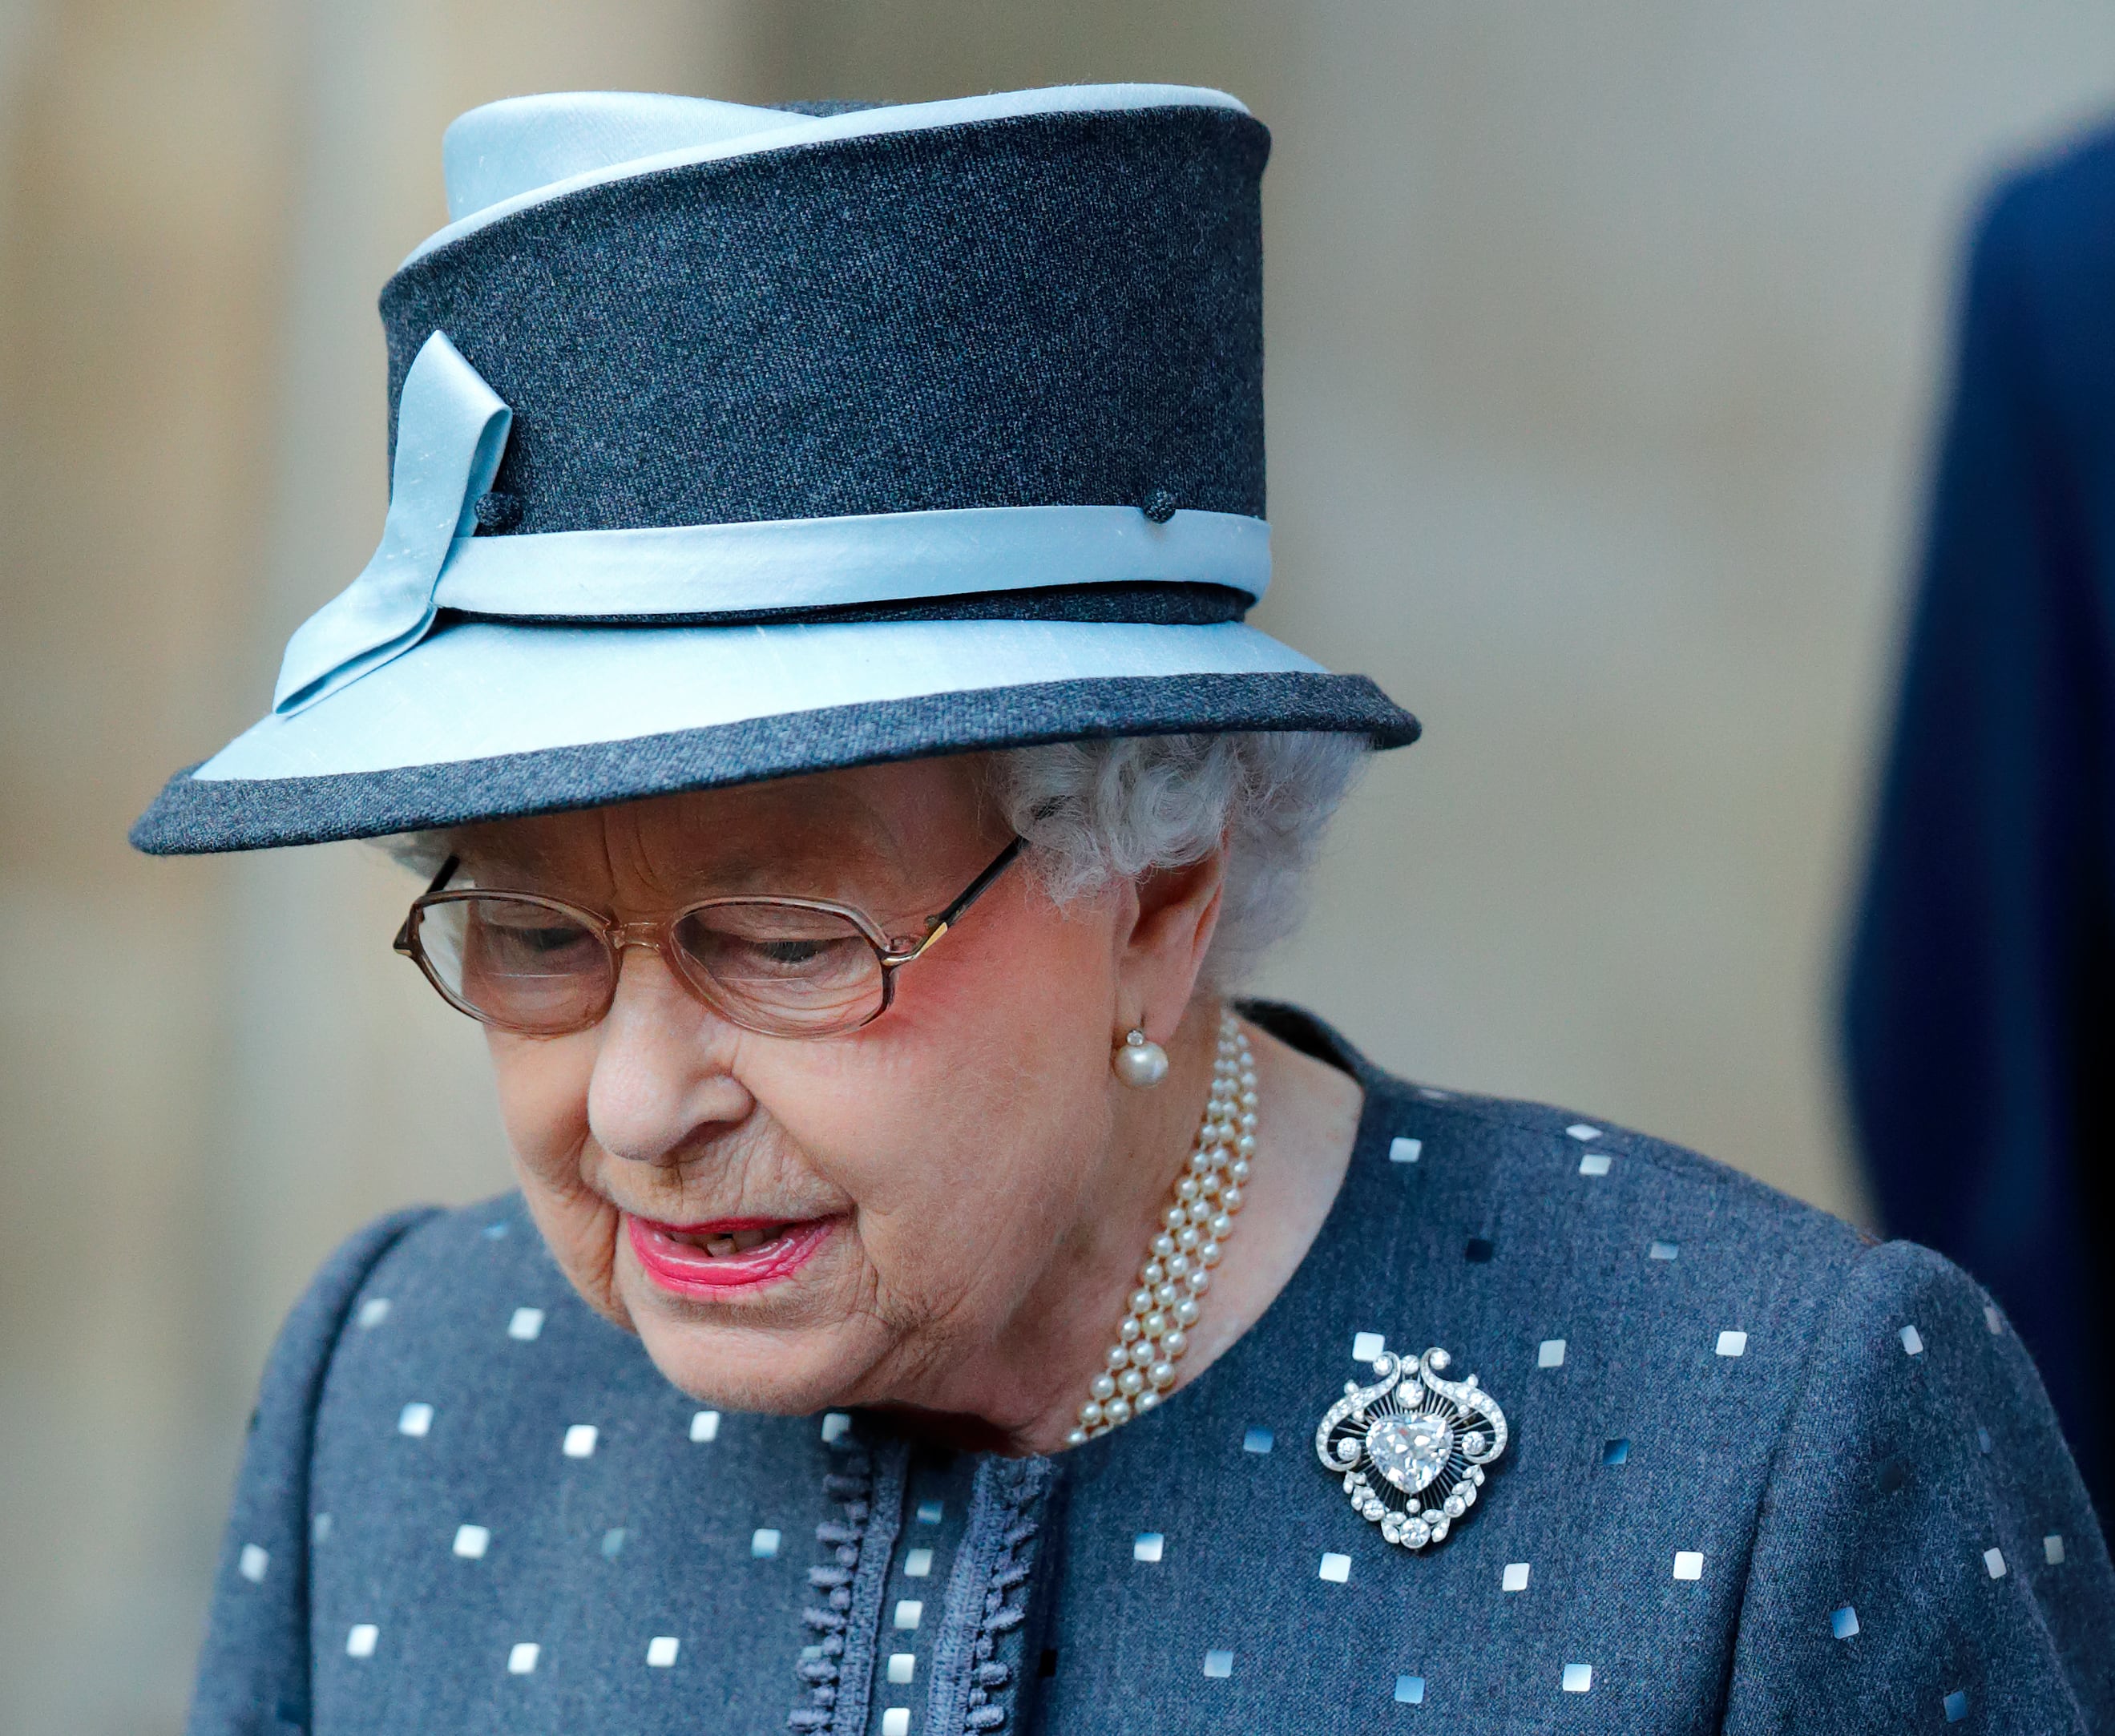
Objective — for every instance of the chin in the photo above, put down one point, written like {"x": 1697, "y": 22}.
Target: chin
{"x": 783, "y": 1371}
{"x": 704, "y": 1370}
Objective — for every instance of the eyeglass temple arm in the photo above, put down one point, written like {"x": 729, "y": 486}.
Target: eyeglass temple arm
{"x": 948, "y": 918}
{"x": 402, "y": 943}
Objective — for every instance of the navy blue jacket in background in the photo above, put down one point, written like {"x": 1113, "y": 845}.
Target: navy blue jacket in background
{"x": 1981, "y": 1014}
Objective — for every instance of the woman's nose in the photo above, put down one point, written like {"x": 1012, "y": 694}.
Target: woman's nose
{"x": 663, "y": 1084}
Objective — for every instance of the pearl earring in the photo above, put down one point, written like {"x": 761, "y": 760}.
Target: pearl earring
{"x": 1139, "y": 1061}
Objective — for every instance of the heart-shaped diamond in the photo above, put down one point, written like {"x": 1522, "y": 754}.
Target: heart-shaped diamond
{"x": 1410, "y": 1451}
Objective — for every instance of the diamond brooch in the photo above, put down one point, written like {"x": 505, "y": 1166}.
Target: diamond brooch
{"x": 1411, "y": 1448}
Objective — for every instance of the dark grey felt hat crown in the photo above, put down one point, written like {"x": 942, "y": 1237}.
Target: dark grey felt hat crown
{"x": 730, "y": 443}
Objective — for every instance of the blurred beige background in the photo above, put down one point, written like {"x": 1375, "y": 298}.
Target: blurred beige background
{"x": 1602, "y": 347}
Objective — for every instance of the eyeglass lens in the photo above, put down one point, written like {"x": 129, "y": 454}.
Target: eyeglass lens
{"x": 520, "y": 964}
{"x": 535, "y": 967}
{"x": 804, "y": 971}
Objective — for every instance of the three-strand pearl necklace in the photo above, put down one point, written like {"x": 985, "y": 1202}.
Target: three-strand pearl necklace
{"x": 1155, "y": 1331}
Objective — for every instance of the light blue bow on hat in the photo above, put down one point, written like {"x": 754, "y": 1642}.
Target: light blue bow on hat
{"x": 452, "y": 429}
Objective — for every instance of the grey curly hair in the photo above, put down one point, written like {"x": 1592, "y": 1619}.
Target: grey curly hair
{"x": 1097, "y": 811}
{"x": 1101, "y": 810}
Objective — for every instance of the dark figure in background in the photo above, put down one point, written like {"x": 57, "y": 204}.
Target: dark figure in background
{"x": 1981, "y": 1005}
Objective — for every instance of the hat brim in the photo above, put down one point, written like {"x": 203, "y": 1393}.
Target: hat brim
{"x": 488, "y": 720}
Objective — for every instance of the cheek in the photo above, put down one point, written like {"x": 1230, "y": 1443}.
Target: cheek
{"x": 543, "y": 1088}
{"x": 961, "y": 1123}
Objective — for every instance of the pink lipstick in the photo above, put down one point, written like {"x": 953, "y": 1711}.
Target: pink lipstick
{"x": 712, "y": 1259}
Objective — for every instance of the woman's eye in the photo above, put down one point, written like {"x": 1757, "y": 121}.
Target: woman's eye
{"x": 548, "y": 939}
{"x": 791, "y": 955}
{"x": 533, "y": 943}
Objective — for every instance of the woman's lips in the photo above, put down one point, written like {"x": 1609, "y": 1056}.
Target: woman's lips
{"x": 727, "y": 1254}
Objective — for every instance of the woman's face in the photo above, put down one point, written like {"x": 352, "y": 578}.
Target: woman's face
{"x": 789, "y": 1224}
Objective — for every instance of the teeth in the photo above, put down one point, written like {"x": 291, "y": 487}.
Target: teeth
{"x": 740, "y": 1241}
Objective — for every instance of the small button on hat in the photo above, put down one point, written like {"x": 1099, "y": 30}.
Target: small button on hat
{"x": 729, "y": 443}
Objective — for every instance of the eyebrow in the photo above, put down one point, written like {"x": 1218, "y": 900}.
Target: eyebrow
{"x": 743, "y": 876}
{"x": 852, "y": 825}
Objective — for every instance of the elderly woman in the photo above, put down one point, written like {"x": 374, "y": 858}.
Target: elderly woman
{"x": 803, "y": 658}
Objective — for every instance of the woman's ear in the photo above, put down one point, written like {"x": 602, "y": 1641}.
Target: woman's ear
{"x": 1162, "y": 933}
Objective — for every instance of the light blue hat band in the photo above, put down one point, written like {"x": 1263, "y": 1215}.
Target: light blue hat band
{"x": 451, "y": 432}
{"x": 806, "y": 563}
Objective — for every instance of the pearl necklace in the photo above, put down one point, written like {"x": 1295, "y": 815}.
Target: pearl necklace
{"x": 1155, "y": 1332}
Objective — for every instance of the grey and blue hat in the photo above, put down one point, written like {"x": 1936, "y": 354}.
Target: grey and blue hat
{"x": 731, "y": 443}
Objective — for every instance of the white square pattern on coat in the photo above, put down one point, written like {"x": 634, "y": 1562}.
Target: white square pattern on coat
{"x": 665, "y": 1427}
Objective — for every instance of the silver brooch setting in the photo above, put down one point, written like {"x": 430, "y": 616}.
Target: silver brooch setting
{"x": 1411, "y": 1448}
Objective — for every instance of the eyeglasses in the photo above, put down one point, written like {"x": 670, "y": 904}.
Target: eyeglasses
{"x": 783, "y": 967}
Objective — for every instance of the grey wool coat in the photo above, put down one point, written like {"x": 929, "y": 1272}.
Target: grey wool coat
{"x": 1763, "y": 1474}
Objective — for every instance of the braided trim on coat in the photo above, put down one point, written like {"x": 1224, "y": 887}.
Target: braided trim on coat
{"x": 850, "y": 1576}
{"x": 1003, "y": 1528}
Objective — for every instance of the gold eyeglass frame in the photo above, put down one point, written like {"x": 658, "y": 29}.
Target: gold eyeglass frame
{"x": 657, "y": 935}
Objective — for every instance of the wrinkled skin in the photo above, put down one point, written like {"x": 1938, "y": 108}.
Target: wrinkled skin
{"x": 989, "y": 1186}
